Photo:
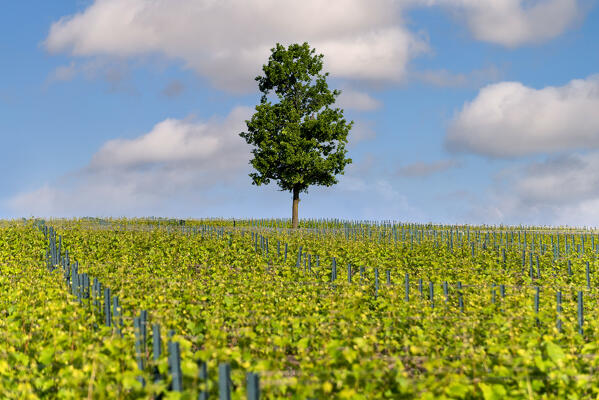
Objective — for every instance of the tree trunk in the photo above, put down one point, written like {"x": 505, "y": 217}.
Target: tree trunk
{"x": 294, "y": 217}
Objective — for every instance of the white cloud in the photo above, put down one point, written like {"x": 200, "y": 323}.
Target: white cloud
{"x": 64, "y": 72}
{"x": 583, "y": 214}
{"x": 175, "y": 141}
{"x": 513, "y": 23}
{"x": 424, "y": 169}
{"x": 560, "y": 190}
{"x": 508, "y": 119}
{"x": 361, "y": 131}
{"x": 177, "y": 161}
{"x": 560, "y": 181}
{"x": 355, "y": 100}
{"x": 446, "y": 78}
{"x": 229, "y": 40}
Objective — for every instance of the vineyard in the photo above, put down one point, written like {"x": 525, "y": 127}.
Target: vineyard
{"x": 248, "y": 309}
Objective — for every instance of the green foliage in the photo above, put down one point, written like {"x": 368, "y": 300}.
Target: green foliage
{"x": 298, "y": 141}
{"x": 305, "y": 336}
{"x": 51, "y": 347}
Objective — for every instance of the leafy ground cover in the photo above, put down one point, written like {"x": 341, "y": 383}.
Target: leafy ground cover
{"x": 479, "y": 319}
{"x": 50, "y": 347}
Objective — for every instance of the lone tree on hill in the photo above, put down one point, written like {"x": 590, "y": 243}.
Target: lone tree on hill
{"x": 298, "y": 141}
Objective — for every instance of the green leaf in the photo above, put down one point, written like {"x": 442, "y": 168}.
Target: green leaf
{"x": 457, "y": 390}
{"x": 46, "y": 355}
{"x": 554, "y": 352}
{"x": 492, "y": 392}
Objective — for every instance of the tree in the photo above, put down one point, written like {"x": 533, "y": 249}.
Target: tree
{"x": 298, "y": 141}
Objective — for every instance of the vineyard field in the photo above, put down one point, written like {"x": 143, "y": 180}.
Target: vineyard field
{"x": 333, "y": 310}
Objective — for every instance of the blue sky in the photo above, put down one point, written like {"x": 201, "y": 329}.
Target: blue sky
{"x": 465, "y": 111}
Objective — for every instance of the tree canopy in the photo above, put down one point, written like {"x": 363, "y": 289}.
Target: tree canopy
{"x": 298, "y": 141}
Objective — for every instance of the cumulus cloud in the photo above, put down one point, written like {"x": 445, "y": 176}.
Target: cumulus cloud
{"x": 559, "y": 190}
{"x": 513, "y": 23}
{"x": 509, "y": 119}
{"x": 228, "y": 41}
{"x": 424, "y": 169}
{"x": 356, "y": 100}
{"x": 560, "y": 180}
{"x": 174, "y": 162}
{"x": 171, "y": 141}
